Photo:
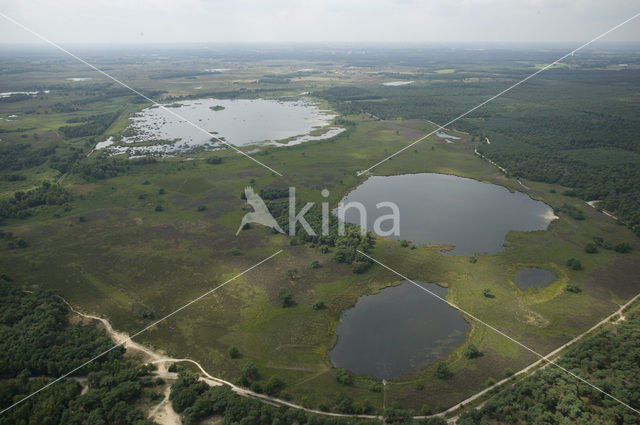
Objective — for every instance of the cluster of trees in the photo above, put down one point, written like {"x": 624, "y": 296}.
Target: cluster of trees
{"x": 38, "y": 344}
{"x": 103, "y": 167}
{"x": 609, "y": 360}
{"x": 346, "y": 245}
{"x": 20, "y": 155}
{"x": 94, "y": 125}
{"x": 21, "y": 203}
{"x": 197, "y": 401}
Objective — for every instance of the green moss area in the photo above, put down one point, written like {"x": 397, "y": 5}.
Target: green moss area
{"x": 113, "y": 252}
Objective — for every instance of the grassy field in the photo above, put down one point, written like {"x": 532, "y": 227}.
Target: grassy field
{"x": 115, "y": 255}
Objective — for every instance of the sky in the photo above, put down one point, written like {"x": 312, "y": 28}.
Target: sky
{"x": 420, "y": 21}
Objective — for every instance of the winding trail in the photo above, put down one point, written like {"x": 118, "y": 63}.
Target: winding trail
{"x": 165, "y": 414}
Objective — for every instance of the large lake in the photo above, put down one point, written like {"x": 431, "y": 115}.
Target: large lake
{"x": 444, "y": 209}
{"x": 237, "y": 121}
{"x": 400, "y": 330}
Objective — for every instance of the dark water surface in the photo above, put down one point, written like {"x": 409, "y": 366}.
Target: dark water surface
{"x": 397, "y": 331}
{"x": 444, "y": 209}
{"x": 534, "y": 277}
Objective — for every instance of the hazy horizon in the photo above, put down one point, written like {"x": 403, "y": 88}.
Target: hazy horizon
{"x": 330, "y": 21}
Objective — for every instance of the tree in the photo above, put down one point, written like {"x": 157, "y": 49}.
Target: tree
{"x": 574, "y": 263}
{"x": 292, "y": 273}
{"x": 273, "y": 386}
{"x": 572, "y": 287}
{"x": 286, "y": 298}
{"x": 471, "y": 352}
{"x": 319, "y": 305}
{"x": 623, "y": 247}
{"x": 249, "y": 373}
{"x": 591, "y": 248}
{"x": 442, "y": 371}
{"x": 315, "y": 264}
{"x": 234, "y": 353}
{"x": 344, "y": 377}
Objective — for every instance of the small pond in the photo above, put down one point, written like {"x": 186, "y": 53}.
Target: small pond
{"x": 444, "y": 209}
{"x": 397, "y": 331}
{"x": 533, "y": 277}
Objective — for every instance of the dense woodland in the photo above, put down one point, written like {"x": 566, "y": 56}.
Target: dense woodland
{"x": 609, "y": 360}
{"x": 38, "y": 344}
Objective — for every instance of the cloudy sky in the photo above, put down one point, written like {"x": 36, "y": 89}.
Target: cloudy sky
{"x": 117, "y": 21}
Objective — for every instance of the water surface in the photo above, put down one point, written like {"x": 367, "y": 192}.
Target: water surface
{"x": 400, "y": 330}
{"x": 534, "y": 277}
{"x": 444, "y": 209}
{"x": 236, "y": 121}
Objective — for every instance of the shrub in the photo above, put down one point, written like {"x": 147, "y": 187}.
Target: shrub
{"x": 471, "y": 352}
{"x": 574, "y": 263}
{"x": 375, "y": 387}
{"x": 273, "y": 386}
{"x": 591, "y": 248}
{"x": 360, "y": 267}
{"x": 234, "y": 353}
{"x": 315, "y": 264}
{"x": 442, "y": 371}
{"x": 319, "y": 305}
{"x": 344, "y": 377}
{"x": 487, "y": 293}
{"x": 623, "y": 247}
{"x": 572, "y": 287}
{"x": 286, "y": 298}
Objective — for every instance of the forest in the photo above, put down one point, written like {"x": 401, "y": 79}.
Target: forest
{"x": 609, "y": 360}
{"x": 39, "y": 344}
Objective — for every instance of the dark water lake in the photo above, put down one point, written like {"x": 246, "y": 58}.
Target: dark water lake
{"x": 444, "y": 209}
{"x": 533, "y": 277}
{"x": 397, "y": 331}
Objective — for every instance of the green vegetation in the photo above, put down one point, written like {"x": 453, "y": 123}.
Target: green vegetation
{"x": 197, "y": 401}
{"x": 39, "y": 344}
{"x": 22, "y": 204}
{"x": 124, "y": 258}
{"x": 608, "y": 360}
